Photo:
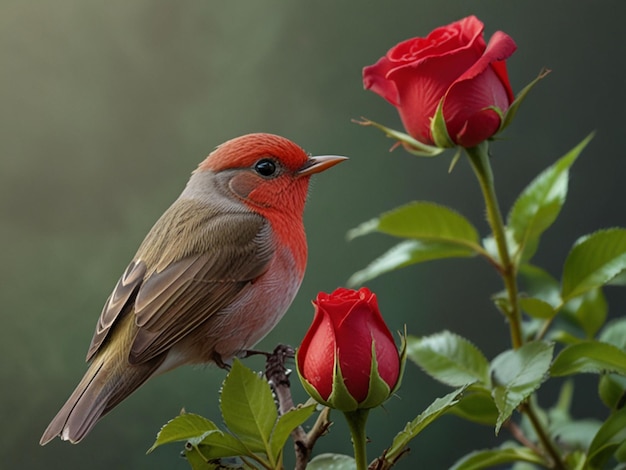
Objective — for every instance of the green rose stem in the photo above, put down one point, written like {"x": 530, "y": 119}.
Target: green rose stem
{"x": 479, "y": 159}
{"x": 356, "y": 422}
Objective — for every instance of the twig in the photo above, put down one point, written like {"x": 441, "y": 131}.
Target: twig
{"x": 519, "y": 435}
{"x": 278, "y": 377}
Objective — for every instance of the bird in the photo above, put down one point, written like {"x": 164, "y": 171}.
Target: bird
{"x": 213, "y": 276}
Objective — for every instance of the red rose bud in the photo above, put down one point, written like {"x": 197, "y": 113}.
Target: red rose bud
{"x": 451, "y": 69}
{"x": 348, "y": 358}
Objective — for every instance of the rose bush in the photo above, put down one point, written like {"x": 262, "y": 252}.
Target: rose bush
{"x": 348, "y": 358}
{"x": 454, "y": 65}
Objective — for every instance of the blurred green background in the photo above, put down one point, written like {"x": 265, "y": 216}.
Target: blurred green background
{"x": 106, "y": 107}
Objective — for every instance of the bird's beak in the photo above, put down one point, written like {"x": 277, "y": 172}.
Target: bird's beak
{"x": 318, "y": 164}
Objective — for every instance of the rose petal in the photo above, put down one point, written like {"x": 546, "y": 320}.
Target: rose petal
{"x": 481, "y": 86}
{"x": 316, "y": 355}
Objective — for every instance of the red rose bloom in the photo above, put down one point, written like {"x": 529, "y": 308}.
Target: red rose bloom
{"x": 346, "y": 332}
{"x": 452, "y": 63}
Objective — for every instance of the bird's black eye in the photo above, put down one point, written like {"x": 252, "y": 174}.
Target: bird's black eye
{"x": 265, "y": 167}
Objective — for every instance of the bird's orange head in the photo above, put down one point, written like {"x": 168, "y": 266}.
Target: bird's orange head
{"x": 270, "y": 174}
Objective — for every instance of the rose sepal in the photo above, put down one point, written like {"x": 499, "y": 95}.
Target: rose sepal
{"x": 410, "y": 144}
{"x": 521, "y": 96}
{"x": 438, "y": 129}
{"x": 339, "y": 398}
{"x": 379, "y": 391}
{"x": 403, "y": 355}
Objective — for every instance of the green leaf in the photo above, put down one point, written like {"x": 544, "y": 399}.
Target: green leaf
{"x": 618, "y": 280}
{"x": 332, "y": 462}
{"x": 197, "y": 461}
{"x": 182, "y": 428}
{"x": 575, "y": 434}
{"x": 589, "y": 356}
{"x": 588, "y": 311}
{"x": 615, "y": 333}
{"x": 423, "y": 221}
{"x": 410, "y": 144}
{"x": 248, "y": 408}
{"x": 491, "y": 457}
{"x": 540, "y": 203}
{"x": 413, "y": 428}
{"x": 539, "y": 284}
{"x": 287, "y": 423}
{"x": 620, "y": 454}
{"x": 593, "y": 261}
{"x": 612, "y": 390}
{"x": 518, "y": 373}
{"x": 449, "y": 358}
{"x": 521, "y": 96}
{"x": 407, "y": 253}
{"x": 218, "y": 444}
{"x": 537, "y": 308}
{"x": 610, "y": 436}
{"x": 477, "y": 406}
{"x": 491, "y": 247}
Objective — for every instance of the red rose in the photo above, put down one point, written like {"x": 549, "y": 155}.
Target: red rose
{"x": 348, "y": 358}
{"x": 454, "y": 64}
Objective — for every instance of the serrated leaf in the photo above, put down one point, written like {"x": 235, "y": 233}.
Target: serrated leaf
{"x": 413, "y": 428}
{"x": 537, "y": 308}
{"x": 449, "y": 358}
{"x": 588, "y": 311}
{"x": 218, "y": 444}
{"x": 182, "y": 428}
{"x": 610, "y": 436}
{"x": 593, "y": 261}
{"x": 423, "y": 221}
{"x": 618, "y": 280}
{"x": 287, "y": 423}
{"x": 615, "y": 333}
{"x": 539, "y": 204}
{"x": 518, "y": 373}
{"x": 332, "y": 462}
{"x": 591, "y": 357}
{"x": 477, "y": 406}
{"x": 407, "y": 253}
{"x": 248, "y": 408}
{"x": 481, "y": 459}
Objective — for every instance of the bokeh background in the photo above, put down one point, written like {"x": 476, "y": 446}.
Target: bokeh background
{"x": 105, "y": 108}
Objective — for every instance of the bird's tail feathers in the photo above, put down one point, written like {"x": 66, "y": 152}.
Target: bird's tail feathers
{"x": 104, "y": 385}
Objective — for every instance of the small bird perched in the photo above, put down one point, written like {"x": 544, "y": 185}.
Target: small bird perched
{"x": 214, "y": 275}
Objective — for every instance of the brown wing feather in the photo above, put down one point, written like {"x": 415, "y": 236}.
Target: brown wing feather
{"x": 186, "y": 270}
{"x": 179, "y": 309}
{"x": 125, "y": 289}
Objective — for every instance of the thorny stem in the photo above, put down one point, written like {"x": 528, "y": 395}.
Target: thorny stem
{"x": 479, "y": 159}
